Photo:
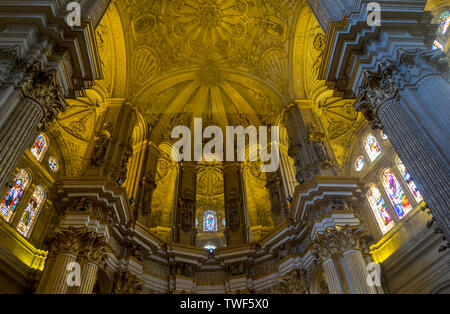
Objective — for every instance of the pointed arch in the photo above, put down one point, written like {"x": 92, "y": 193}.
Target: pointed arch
{"x": 31, "y": 212}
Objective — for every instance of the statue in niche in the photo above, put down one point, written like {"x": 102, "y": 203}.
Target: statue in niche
{"x": 102, "y": 141}
{"x": 128, "y": 152}
{"x": 233, "y": 208}
{"x": 316, "y": 138}
{"x": 186, "y": 205}
{"x": 149, "y": 185}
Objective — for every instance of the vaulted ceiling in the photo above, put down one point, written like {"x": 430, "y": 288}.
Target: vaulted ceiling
{"x": 227, "y": 61}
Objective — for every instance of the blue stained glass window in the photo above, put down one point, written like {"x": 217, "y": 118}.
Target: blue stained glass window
{"x": 359, "y": 164}
{"x": 39, "y": 147}
{"x": 31, "y": 212}
{"x": 210, "y": 221}
{"x": 408, "y": 179}
{"x": 444, "y": 22}
{"x": 373, "y": 149}
{"x": 379, "y": 209}
{"x": 394, "y": 190}
{"x": 14, "y": 195}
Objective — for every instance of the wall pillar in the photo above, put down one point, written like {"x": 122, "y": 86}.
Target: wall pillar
{"x": 332, "y": 277}
{"x": 395, "y": 69}
{"x": 25, "y": 111}
{"x": 236, "y": 231}
{"x": 357, "y": 272}
{"x": 184, "y": 230}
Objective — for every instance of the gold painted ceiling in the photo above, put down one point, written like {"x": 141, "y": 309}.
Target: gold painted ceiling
{"x": 224, "y": 60}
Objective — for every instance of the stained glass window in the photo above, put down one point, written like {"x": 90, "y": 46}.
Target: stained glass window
{"x": 383, "y": 135}
{"x": 39, "y": 147}
{"x": 196, "y": 222}
{"x": 394, "y": 190}
{"x": 409, "y": 181}
{"x": 373, "y": 149}
{"x": 224, "y": 222}
{"x": 359, "y": 164}
{"x": 14, "y": 195}
{"x": 379, "y": 209}
{"x": 437, "y": 45}
{"x": 53, "y": 164}
{"x": 444, "y": 22}
{"x": 210, "y": 221}
{"x": 31, "y": 212}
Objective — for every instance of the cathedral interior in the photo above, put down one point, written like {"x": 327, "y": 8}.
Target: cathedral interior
{"x": 89, "y": 186}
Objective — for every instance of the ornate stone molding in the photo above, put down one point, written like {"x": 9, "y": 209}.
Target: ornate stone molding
{"x": 384, "y": 85}
{"x": 78, "y": 242}
{"x": 339, "y": 240}
{"x": 128, "y": 152}
{"x": 42, "y": 87}
{"x": 127, "y": 283}
{"x": 294, "y": 282}
{"x": 149, "y": 186}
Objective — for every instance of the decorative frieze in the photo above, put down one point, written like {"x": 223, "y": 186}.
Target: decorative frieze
{"x": 294, "y": 282}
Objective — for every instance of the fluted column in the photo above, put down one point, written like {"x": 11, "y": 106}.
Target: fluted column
{"x": 407, "y": 99}
{"x": 332, "y": 276}
{"x": 88, "y": 278}
{"x": 57, "y": 283}
{"x": 91, "y": 254}
{"x": 24, "y": 110}
{"x": 357, "y": 272}
{"x": 395, "y": 62}
{"x": 65, "y": 246}
{"x": 17, "y": 134}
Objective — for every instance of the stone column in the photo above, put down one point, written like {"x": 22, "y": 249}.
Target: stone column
{"x": 65, "y": 245}
{"x": 25, "y": 111}
{"x": 357, "y": 272}
{"x": 307, "y": 147}
{"x": 184, "y": 219}
{"x": 278, "y": 204}
{"x": 415, "y": 116}
{"x": 332, "y": 276}
{"x": 401, "y": 86}
{"x": 237, "y": 228}
{"x": 92, "y": 253}
{"x": 111, "y": 147}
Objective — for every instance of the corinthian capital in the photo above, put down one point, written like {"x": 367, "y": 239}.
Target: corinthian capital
{"x": 93, "y": 247}
{"x": 384, "y": 85}
{"x": 339, "y": 240}
{"x": 42, "y": 87}
{"x": 65, "y": 241}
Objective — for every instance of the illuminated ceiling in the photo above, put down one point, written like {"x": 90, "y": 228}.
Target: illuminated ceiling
{"x": 224, "y": 60}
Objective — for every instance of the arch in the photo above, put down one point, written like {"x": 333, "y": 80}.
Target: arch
{"x": 40, "y": 146}
{"x": 32, "y": 210}
{"x": 15, "y": 193}
{"x": 395, "y": 193}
